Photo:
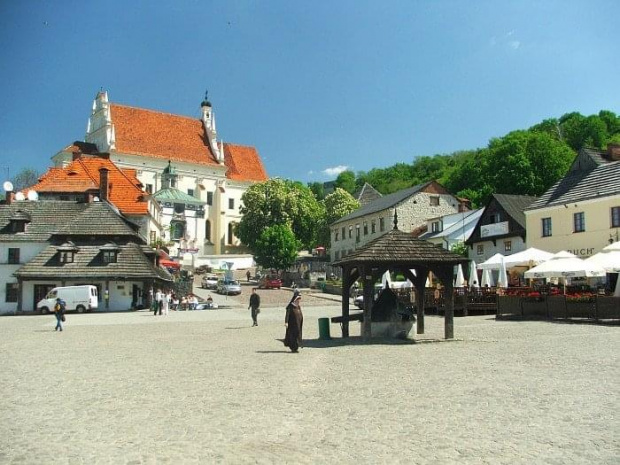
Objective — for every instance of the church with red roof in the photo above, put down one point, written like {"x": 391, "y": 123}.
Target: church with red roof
{"x": 196, "y": 177}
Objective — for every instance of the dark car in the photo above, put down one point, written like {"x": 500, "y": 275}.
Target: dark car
{"x": 270, "y": 282}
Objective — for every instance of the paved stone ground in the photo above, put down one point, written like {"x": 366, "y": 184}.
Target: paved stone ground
{"x": 206, "y": 387}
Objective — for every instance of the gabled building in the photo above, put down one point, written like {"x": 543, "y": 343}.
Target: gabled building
{"x": 61, "y": 243}
{"x": 449, "y": 230}
{"x": 366, "y": 194}
{"x": 581, "y": 212}
{"x": 500, "y": 228}
{"x": 413, "y": 206}
{"x": 213, "y": 172}
{"x": 91, "y": 175}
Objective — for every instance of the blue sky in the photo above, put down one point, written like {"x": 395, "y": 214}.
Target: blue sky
{"x": 317, "y": 86}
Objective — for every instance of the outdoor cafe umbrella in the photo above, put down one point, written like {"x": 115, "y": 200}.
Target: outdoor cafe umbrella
{"x": 529, "y": 257}
{"x": 502, "y": 281}
{"x": 565, "y": 265}
{"x": 608, "y": 258}
{"x": 487, "y": 278}
{"x": 460, "y": 279}
{"x": 492, "y": 263}
{"x": 473, "y": 274}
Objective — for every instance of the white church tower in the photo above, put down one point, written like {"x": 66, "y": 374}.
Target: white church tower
{"x": 100, "y": 130}
{"x": 208, "y": 120}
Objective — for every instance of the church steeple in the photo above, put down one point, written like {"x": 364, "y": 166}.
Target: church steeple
{"x": 100, "y": 129}
{"x": 208, "y": 120}
{"x": 169, "y": 176}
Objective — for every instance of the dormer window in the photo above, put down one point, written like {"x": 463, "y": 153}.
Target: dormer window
{"x": 109, "y": 253}
{"x": 67, "y": 257}
{"x": 18, "y": 221}
{"x": 109, "y": 256}
{"x": 66, "y": 252}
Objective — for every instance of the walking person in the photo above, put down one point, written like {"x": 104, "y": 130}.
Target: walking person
{"x": 59, "y": 312}
{"x": 248, "y": 275}
{"x": 159, "y": 297}
{"x": 294, "y": 321}
{"x": 254, "y": 305}
{"x": 165, "y": 301}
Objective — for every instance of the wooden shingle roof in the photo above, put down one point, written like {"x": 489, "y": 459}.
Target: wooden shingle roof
{"x": 99, "y": 219}
{"x": 383, "y": 203}
{"x": 514, "y": 205}
{"x": 88, "y": 263}
{"x": 47, "y": 217}
{"x": 602, "y": 181}
{"x": 400, "y": 248}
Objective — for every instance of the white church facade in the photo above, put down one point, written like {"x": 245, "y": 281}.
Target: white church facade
{"x": 197, "y": 179}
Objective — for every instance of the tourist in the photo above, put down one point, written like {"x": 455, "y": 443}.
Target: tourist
{"x": 59, "y": 312}
{"x": 165, "y": 304}
{"x": 209, "y": 301}
{"x": 294, "y": 321}
{"x": 248, "y": 275}
{"x": 175, "y": 302}
{"x": 254, "y": 306}
{"x": 184, "y": 303}
{"x": 193, "y": 301}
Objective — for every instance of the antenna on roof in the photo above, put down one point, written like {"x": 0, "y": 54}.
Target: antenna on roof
{"x": 32, "y": 195}
{"x": 8, "y": 186}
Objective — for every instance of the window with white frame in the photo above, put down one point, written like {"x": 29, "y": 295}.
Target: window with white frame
{"x": 480, "y": 249}
{"x": 507, "y": 246}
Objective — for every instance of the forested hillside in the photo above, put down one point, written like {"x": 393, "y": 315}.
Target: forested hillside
{"x": 523, "y": 162}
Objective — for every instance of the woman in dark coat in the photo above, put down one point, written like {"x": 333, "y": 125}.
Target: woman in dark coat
{"x": 294, "y": 322}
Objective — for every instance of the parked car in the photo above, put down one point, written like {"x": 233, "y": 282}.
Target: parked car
{"x": 209, "y": 281}
{"x": 228, "y": 287}
{"x": 270, "y": 282}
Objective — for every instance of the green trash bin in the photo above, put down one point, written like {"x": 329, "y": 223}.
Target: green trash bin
{"x": 324, "y": 328}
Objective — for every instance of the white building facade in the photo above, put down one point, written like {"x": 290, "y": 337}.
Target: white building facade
{"x": 211, "y": 174}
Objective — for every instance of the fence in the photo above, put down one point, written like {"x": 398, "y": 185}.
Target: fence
{"x": 594, "y": 308}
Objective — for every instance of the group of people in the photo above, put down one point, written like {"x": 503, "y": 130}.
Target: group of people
{"x": 293, "y": 319}
{"x": 165, "y": 301}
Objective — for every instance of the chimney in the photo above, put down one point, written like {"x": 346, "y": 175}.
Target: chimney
{"x": 103, "y": 183}
{"x": 9, "y": 197}
{"x": 613, "y": 152}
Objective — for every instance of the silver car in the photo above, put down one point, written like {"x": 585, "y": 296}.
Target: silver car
{"x": 228, "y": 287}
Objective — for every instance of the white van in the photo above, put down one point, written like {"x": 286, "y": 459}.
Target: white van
{"x": 80, "y": 298}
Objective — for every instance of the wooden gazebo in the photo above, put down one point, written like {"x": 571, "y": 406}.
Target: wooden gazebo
{"x": 398, "y": 251}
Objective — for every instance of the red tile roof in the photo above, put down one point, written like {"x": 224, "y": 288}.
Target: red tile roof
{"x": 179, "y": 138}
{"x": 243, "y": 163}
{"x": 82, "y": 175}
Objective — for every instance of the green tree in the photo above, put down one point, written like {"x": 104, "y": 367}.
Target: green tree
{"x": 336, "y": 205}
{"x": 526, "y": 163}
{"x": 276, "y": 247}
{"x": 279, "y": 202}
{"x": 317, "y": 189}
{"x": 459, "y": 248}
{"x": 346, "y": 181}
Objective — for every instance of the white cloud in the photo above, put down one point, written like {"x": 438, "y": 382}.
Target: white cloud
{"x": 335, "y": 170}
{"x": 514, "y": 44}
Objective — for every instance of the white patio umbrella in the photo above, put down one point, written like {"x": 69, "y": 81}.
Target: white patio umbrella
{"x": 528, "y": 257}
{"x": 565, "y": 265}
{"x": 617, "y": 291}
{"x": 492, "y": 263}
{"x": 473, "y": 274}
{"x": 502, "y": 280}
{"x": 460, "y": 279}
{"x": 487, "y": 278}
{"x": 608, "y": 258}
{"x": 428, "y": 282}
{"x": 386, "y": 280}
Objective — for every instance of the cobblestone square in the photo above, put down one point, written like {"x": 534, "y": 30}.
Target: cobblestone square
{"x": 206, "y": 387}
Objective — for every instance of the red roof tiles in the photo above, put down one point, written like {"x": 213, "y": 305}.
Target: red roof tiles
{"x": 82, "y": 175}
{"x": 179, "y": 138}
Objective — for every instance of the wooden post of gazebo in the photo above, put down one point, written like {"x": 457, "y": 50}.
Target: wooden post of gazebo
{"x": 446, "y": 276}
{"x": 369, "y": 285}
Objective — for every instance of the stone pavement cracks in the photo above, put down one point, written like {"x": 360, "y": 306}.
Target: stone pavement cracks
{"x": 206, "y": 387}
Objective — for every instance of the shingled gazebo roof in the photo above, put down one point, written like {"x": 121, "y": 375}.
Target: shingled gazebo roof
{"x": 401, "y": 248}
